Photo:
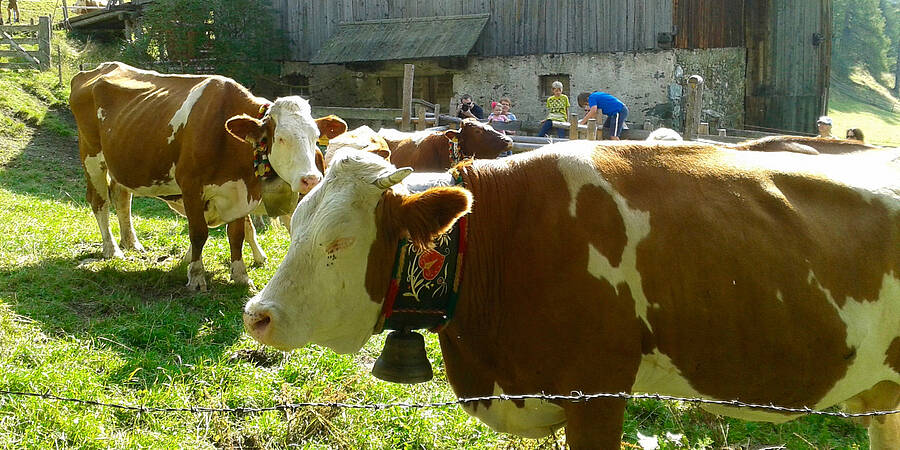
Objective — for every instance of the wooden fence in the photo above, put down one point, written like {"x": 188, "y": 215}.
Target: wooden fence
{"x": 26, "y": 46}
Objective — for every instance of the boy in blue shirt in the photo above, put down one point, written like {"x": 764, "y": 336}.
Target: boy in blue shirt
{"x": 600, "y": 102}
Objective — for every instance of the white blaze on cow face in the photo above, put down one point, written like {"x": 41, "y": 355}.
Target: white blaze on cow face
{"x": 318, "y": 293}
{"x": 294, "y": 148}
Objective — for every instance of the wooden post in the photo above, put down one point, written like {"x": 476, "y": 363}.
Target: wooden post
{"x": 592, "y": 129}
{"x": 420, "y": 117}
{"x": 408, "y": 72}
{"x": 43, "y": 35}
{"x": 704, "y": 128}
{"x": 59, "y": 64}
{"x": 573, "y": 126}
{"x": 693, "y": 107}
{"x": 65, "y": 14}
{"x": 437, "y": 115}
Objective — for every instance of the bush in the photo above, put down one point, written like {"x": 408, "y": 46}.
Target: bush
{"x": 237, "y": 38}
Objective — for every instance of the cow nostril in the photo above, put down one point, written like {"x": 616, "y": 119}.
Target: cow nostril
{"x": 260, "y": 324}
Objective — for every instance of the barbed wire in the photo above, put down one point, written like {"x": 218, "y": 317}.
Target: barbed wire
{"x": 574, "y": 397}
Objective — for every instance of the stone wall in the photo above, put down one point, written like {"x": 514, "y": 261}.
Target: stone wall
{"x": 648, "y": 82}
{"x": 723, "y": 71}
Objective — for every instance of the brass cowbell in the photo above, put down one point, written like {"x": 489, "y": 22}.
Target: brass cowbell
{"x": 403, "y": 359}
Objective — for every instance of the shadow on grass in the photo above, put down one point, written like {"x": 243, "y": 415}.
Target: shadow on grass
{"x": 49, "y": 167}
{"x": 143, "y": 313}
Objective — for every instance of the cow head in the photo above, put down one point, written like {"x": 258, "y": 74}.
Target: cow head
{"x": 479, "y": 140}
{"x": 345, "y": 231}
{"x": 289, "y": 126}
{"x": 362, "y": 138}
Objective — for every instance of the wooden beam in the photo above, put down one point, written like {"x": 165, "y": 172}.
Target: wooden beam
{"x": 408, "y": 73}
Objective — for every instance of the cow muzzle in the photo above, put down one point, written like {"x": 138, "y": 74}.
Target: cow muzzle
{"x": 307, "y": 183}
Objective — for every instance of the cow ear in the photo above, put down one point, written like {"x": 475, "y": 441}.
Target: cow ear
{"x": 429, "y": 214}
{"x": 331, "y": 126}
{"x": 451, "y": 134}
{"x": 244, "y": 127}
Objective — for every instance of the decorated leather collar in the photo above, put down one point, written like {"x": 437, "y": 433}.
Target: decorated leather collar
{"x": 456, "y": 156}
{"x": 261, "y": 165}
{"x": 424, "y": 286}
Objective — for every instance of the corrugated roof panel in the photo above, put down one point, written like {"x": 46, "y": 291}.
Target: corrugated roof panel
{"x": 396, "y": 39}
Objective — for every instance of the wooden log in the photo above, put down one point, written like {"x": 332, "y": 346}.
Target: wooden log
{"x": 693, "y": 107}
{"x": 592, "y": 129}
{"x": 408, "y": 73}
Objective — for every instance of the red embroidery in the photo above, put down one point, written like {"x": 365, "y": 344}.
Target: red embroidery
{"x": 431, "y": 263}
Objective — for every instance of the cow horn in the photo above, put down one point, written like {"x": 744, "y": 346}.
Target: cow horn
{"x": 386, "y": 181}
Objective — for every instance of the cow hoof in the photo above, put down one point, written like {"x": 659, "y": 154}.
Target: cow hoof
{"x": 136, "y": 246}
{"x": 196, "y": 276}
{"x": 112, "y": 252}
{"x": 196, "y": 284}
{"x": 239, "y": 274}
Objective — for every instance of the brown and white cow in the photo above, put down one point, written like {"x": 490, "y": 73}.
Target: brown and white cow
{"x": 802, "y": 144}
{"x": 433, "y": 150}
{"x": 598, "y": 267}
{"x": 190, "y": 141}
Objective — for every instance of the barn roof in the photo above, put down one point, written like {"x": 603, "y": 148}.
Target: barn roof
{"x": 409, "y": 38}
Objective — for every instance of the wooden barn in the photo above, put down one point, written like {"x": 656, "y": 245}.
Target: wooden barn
{"x": 765, "y": 62}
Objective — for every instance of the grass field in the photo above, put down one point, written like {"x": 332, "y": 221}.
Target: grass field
{"x": 881, "y": 127}
{"x": 126, "y": 332}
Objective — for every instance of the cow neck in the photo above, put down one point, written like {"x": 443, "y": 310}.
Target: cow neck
{"x": 262, "y": 148}
{"x": 424, "y": 286}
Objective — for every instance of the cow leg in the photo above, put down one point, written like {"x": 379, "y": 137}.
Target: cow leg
{"x": 286, "y": 221}
{"x": 259, "y": 256}
{"x": 595, "y": 424}
{"x": 122, "y": 197}
{"x": 198, "y": 232}
{"x": 884, "y": 431}
{"x": 98, "y": 197}
{"x": 236, "y": 242}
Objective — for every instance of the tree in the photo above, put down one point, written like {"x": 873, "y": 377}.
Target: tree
{"x": 891, "y": 11}
{"x": 237, "y": 38}
{"x": 859, "y": 36}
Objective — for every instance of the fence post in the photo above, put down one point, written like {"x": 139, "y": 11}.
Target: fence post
{"x": 573, "y": 126}
{"x": 59, "y": 64}
{"x": 420, "y": 117}
{"x": 592, "y": 129}
{"x": 44, "y": 42}
{"x": 408, "y": 71}
{"x": 65, "y": 14}
{"x": 693, "y": 107}
{"x": 437, "y": 115}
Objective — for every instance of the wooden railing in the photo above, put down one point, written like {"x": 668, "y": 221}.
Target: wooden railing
{"x": 26, "y": 46}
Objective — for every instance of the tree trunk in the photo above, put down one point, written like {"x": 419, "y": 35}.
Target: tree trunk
{"x": 897, "y": 76}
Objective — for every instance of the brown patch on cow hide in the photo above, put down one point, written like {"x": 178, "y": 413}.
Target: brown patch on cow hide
{"x": 726, "y": 271}
{"x": 601, "y": 222}
{"x": 892, "y": 357}
{"x": 530, "y": 317}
